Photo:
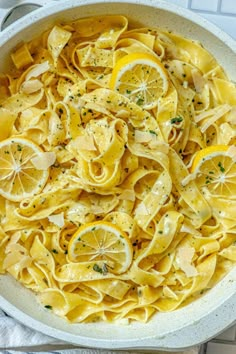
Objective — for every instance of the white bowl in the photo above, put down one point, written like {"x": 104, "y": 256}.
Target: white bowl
{"x": 188, "y": 326}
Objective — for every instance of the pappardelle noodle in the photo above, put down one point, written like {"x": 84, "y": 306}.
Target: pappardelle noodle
{"x": 117, "y": 170}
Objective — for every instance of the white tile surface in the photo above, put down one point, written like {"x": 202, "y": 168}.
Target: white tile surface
{"x": 229, "y": 334}
{"x": 216, "y": 348}
{"x": 210, "y": 5}
{"x": 226, "y": 23}
{"x": 183, "y": 3}
{"x": 228, "y": 6}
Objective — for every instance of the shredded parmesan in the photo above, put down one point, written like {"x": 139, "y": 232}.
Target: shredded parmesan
{"x": 167, "y": 292}
{"x": 231, "y": 116}
{"x": 184, "y": 258}
{"x": 84, "y": 143}
{"x": 219, "y": 112}
{"x": 142, "y": 137}
{"x": 188, "y": 179}
{"x": 190, "y": 230}
{"x": 37, "y": 70}
{"x": 232, "y": 152}
{"x": 122, "y": 113}
{"x": 212, "y": 112}
{"x": 31, "y": 86}
{"x": 57, "y": 219}
{"x": 198, "y": 80}
{"x": 44, "y": 160}
{"x": 142, "y": 209}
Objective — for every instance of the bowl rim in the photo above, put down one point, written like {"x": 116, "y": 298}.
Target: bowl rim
{"x": 50, "y": 9}
{"x": 226, "y": 310}
{"x": 216, "y": 320}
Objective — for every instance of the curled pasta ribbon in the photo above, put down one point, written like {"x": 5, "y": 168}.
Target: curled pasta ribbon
{"x": 125, "y": 221}
{"x": 95, "y": 175}
{"x": 57, "y": 39}
{"x": 199, "y": 206}
{"x": 21, "y": 101}
{"x": 197, "y": 55}
{"x": 107, "y": 145}
{"x": 114, "y": 102}
{"x": 205, "y": 272}
{"x": 153, "y": 201}
{"x": 6, "y": 123}
{"x": 109, "y": 29}
{"x": 165, "y": 231}
{"x": 44, "y": 204}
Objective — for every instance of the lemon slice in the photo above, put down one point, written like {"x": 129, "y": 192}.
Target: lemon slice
{"x": 215, "y": 168}
{"x": 141, "y": 77}
{"x": 98, "y": 241}
{"x": 19, "y": 178}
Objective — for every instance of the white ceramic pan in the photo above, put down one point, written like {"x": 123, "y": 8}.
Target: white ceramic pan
{"x": 183, "y": 328}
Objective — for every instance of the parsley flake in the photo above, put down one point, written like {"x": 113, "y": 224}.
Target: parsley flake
{"x": 152, "y": 132}
{"x": 97, "y": 269}
{"x": 140, "y": 101}
{"x": 49, "y": 307}
{"x": 176, "y": 120}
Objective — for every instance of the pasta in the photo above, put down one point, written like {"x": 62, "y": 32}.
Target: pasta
{"x": 117, "y": 170}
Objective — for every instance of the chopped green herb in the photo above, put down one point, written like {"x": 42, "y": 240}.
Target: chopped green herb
{"x": 54, "y": 251}
{"x": 19, "y": 148}
{"x": 140, "y": 101}
{"x": 98, "y": 269}
{"x": 176, "y": 120}
{"x": 49, "y": 307}
{"x": 152, "y": 132}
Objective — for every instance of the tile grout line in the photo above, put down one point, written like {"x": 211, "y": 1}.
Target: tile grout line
{"x": 219, "y": 6}
{"x": 227, "y": 14}
{"x": 208, "y": 12}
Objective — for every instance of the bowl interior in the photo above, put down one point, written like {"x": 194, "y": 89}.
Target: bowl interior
{"x": 154, "y": 13}
{"x": 166, "y": 330}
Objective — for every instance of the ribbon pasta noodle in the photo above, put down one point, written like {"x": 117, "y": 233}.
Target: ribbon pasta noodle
{"x": 117, "y": 170}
